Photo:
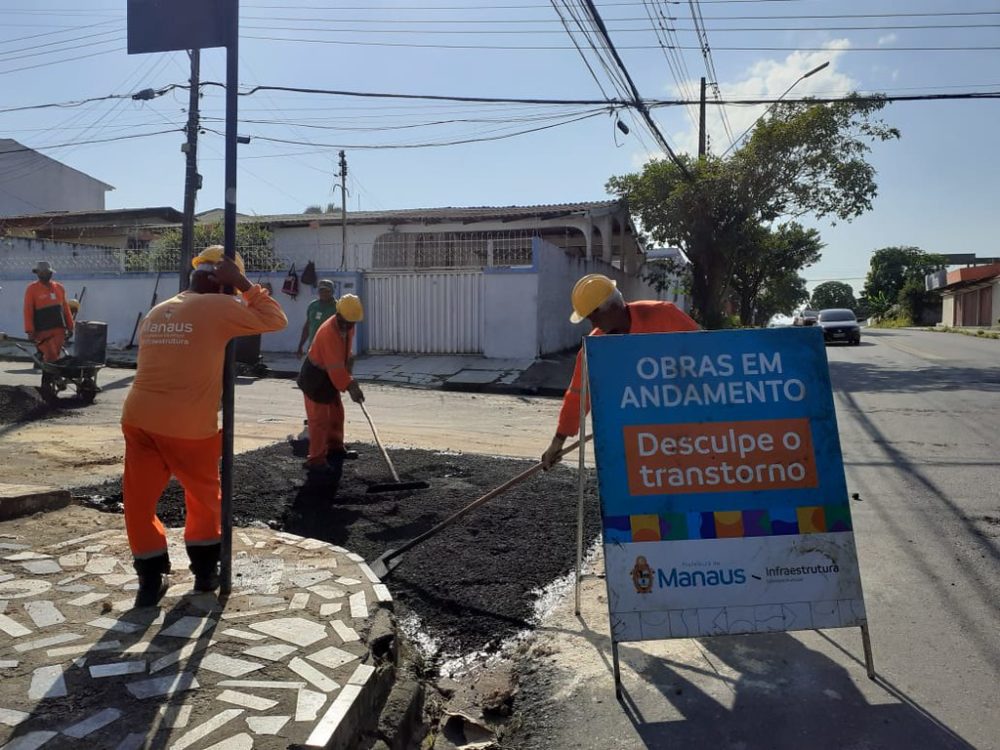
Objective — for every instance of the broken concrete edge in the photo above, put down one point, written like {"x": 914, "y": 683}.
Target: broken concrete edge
{"x": 382, "y": 704}
{"x": 39, "y": 500}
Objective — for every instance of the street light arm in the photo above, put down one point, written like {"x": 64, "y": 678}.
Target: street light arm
{"x": 795, "y": 83}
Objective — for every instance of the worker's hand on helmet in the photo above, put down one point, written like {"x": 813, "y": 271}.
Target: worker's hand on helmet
{"x": 227, "y": 273}
{"x": 551, "y": 456}
{"x": 354, "y": 390}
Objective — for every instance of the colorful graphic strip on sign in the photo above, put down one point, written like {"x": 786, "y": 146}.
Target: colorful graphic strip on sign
{"x": 723, "y": 496}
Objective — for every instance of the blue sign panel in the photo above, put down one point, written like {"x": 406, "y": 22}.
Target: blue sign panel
{"x": 724, "y": 503}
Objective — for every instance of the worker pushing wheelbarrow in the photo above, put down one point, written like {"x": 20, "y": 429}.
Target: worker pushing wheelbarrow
{"x": 77, "y": 368}
{"x": 49, "y": 323}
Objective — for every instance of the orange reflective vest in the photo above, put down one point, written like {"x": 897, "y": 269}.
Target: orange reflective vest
{"x": 646, "y": 317}
{"x": 46, "y": 308}
{"x": 330, "y": 351}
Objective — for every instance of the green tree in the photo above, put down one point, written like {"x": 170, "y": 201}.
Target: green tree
{"x": 833, "y": 294}
{"x": 803, "y": 158}
{"x": 893, "y": 268}
{"x": 770, "y": 254}
{"x": 253, "y": 241}
{"x": 781, "y": 294}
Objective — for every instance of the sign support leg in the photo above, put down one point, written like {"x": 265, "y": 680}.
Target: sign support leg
{"x": 866, "y": 642}
{"x": 229, "y": 369}
{"x": 581, "y": 477}
{"x": 616, "y": 665}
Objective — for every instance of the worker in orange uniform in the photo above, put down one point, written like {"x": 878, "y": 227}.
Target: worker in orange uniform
{"x": 325, "y": 374}
{"x": 48, "y": 319}
{"x": 597, "y": 298}
{"x": 170, "y": 418}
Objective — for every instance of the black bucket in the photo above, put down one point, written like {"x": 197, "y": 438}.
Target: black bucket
{"x": 90, "y": 342}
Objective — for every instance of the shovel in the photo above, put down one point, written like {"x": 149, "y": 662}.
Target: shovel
{"x": 387, "y": 562}
{"x": 397, "y": 485}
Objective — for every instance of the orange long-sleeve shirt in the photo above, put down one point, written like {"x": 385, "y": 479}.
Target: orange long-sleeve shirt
{"x": 646, "y": 317}
{"x": 331, "y": 350}
{"x": 178, "y": 382}
{"x": 38, "y": 297}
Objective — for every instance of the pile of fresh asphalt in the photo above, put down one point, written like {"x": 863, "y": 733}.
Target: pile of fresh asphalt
{"x": 474, "y": 584}
{"x": 21, "y": 403}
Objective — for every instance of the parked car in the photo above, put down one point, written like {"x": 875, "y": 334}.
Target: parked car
{"x": 840, "y": 327}
{"x": 805, "y": 318}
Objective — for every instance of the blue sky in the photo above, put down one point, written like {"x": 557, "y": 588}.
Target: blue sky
{"x": 938, "y": 185}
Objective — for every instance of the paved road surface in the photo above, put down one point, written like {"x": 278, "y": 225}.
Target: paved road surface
{"x": 919, "y": 414}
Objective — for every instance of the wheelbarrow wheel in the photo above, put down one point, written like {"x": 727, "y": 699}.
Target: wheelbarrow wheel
{"x": 86, "y": 395}
{"x": 48, "y": 388}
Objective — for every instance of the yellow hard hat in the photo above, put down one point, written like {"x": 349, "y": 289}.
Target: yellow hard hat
{"x": 350, "y": 309}
{"x": 74, "y": 306}
{"x": 590, "y": 292}
{"x": 215, "y": 254}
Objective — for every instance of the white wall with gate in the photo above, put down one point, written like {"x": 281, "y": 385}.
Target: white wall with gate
{"x": 425, "y": 312}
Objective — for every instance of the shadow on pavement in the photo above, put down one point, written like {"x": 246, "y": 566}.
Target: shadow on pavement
{"x": 781, "y": 694}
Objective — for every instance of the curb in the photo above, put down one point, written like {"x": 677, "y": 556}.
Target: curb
{"x": 25, "y": 500}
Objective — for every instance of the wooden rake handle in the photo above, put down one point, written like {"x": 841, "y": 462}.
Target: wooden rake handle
{"x": 480, "y": 501}
{"x": 378, "y": 442}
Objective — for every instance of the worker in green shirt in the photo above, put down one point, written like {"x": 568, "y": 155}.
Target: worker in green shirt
{"x": 318, "y": 311}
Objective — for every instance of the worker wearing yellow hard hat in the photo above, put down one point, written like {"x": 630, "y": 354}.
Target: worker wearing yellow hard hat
{"x": 596, "y": 298}
{"x": 325, "y": 374}
{"x": 170, "y": 417}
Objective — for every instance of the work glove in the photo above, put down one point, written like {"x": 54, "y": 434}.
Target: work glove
{"x": 354, "y": 390}
{"x": 551, "y": 456}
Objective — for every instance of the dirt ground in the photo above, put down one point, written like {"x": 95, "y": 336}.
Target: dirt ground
{"x": 473, "y": 585}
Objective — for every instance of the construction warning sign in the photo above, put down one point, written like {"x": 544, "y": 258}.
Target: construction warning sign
{"x": 724, "y": 504}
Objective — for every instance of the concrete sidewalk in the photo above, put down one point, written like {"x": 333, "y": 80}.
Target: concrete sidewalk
{"x": 546, "y": 376}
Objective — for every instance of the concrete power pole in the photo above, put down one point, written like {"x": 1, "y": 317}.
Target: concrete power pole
{"x": 192, "y": 180}
{"x": 343, "y": 211}
{"x": 702, "y": 138}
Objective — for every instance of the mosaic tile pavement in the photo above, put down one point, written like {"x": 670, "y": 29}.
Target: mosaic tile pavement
{"x": 281, "y": 664}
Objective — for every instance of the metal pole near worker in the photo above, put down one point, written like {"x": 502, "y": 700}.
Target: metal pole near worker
{"x": 229, "y": 371}
{"x": 581, "y": 476}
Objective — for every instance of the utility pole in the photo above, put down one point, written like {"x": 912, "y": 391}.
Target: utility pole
{"x": 702, "y": 142}
{"x": 343, "y": 211}
{"x": 192, "y": 180}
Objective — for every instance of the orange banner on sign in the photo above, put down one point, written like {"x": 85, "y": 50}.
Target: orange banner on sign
{"x": 676, "y": 459}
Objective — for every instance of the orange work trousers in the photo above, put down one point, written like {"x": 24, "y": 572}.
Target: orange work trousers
{"x": 326, "y": 428}
{"x": 50, "y": 343}
{"x": 150, "y": 460}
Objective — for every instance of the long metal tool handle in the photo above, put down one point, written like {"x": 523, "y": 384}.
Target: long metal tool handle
{"x": 378, "y": 442}
{"x": 484, "y": 499}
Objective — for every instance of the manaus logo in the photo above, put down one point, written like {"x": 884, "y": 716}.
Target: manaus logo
{"x": 642, "y": 576}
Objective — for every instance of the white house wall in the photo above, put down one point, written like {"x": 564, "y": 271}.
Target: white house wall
{"x": 117, "y": 301}
{"x": 31, "y": 183}
{"x": 511, "y": 315}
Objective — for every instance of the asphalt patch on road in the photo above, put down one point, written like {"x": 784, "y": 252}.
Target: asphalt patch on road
{"x": 474, "y": 584}
{"x": 21, "y": 403}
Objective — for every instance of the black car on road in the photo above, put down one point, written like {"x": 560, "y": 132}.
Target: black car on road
{"x": 839, "y": 327}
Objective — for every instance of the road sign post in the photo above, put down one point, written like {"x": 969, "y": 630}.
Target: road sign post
{"x": 723, "y": 498}
{"x": 170, "y": 25}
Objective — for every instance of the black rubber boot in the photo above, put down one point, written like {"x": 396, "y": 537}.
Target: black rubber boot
{"x": 152, "y": 584}
{"x": 205, "y": 565}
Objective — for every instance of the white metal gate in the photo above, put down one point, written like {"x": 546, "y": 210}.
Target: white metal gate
{"x": 425, "y": 313}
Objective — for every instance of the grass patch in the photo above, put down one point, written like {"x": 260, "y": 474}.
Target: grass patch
{"x": 900, "y": 321}
{"x": 978, "y": 333}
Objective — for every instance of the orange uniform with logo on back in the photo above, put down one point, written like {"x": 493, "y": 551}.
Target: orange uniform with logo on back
{"x": 170, "y": 418}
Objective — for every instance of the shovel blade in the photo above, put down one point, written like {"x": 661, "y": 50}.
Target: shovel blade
{"x": 397, "y": 487}
{"x": 384, "y": 565}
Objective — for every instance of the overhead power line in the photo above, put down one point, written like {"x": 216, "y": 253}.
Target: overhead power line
{"x": 548, "y": 47}
{"x": 133, "y": 136}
